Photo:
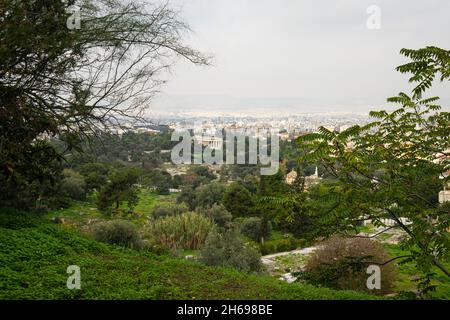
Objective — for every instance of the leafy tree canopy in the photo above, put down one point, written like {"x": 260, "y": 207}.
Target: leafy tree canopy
{"x": 394, "y": 167}
{"x": 73, "y": 83}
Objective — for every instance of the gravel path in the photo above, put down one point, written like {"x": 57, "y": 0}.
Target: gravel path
{"x": 273, "y": 266}
{"x": 268, "y": 259}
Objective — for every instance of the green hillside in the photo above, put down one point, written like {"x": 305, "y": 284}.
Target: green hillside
{"x": 35, "y": 253}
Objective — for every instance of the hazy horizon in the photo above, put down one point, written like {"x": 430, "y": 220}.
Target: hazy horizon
{"x": 300, "y": 56}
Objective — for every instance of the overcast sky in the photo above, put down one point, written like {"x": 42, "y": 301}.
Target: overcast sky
{"x": 300, "y": 55}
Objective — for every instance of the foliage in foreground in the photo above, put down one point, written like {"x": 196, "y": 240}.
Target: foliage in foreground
{"x": 341, "y": 263}
{"x": 229, "y": 250}
{"x": 61, "y": 83}
{"x": 34, "y": 257}
{"x": 394, "y": 168}
{"x": 118, "y": 232}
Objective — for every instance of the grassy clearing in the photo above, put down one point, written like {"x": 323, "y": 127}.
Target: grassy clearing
{"x": 408, "y": 274}
{"x": 35, "y": 254}
{"x": 80, "y": 212}
{"x": 148, "y": 200}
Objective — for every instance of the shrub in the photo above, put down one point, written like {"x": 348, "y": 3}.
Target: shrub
{"x": 163, "y": 189}
{"x": 204, "y": 172}
{"x": 287, "y": 243}
{"x": 256, "y": 229}
{"x": 57, "y": 201}
{"x": 219, "y": 214}
{"x": 203, "y": 196}
{"x": 15, "y": 219}
{"x": 341, "y": 263}
{"x": 118, "y": 232}
{"x": 229, "y": 250}
{"x": 73, "y": 185}
{"x": 161, "y": 211}
{"x": 187, "y": 230}
{"x": 158, "y": 179}
{"x": 268, "y": 247}
{"x": 187, "y": 196}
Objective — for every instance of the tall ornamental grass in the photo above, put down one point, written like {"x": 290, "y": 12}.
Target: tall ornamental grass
{"x": 185, "y": 231}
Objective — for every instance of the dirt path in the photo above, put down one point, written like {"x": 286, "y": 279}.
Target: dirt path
{"x": 269, "y": 259}
{"x": 276, "y": 268}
